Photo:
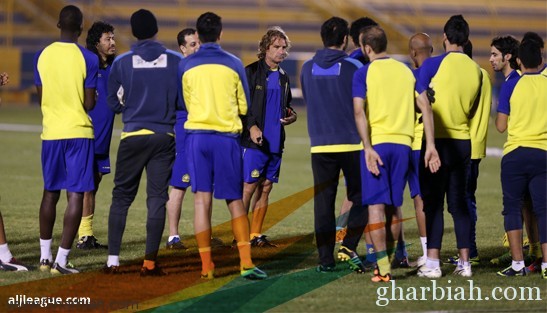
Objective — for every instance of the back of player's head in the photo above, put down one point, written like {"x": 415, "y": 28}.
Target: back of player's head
{"x": 334, "y": 31}
{"x": 357, "y": 26}
{"x": 456, "y": 30}
{"x": 535, "y": 37}
{"x": 209, "y": 27}
{"x": 507, "y": 45}
{"x": 421, "y": 43}
{"x": 70, "y": 19}
{"x": 530, "y": 53}
{"x": 144, "y": 24}
{"x": 268, "y": 39}
{"x": 375, "y": 37}
{"x": 468, "y": 49}
{"x": 181, "y": 37}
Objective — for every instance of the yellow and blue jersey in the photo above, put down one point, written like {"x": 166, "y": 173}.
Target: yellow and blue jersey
{"x": 390, "y": 111}
{"x": 456, "y": 80}
{"x": 214, "y": 89}
{"x": 478, "y": 124}
{"x": 524, "y": 99}
{"x": 64, "y": 70}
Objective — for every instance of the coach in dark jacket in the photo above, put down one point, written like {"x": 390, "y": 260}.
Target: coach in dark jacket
{"x": 263, "y": 127}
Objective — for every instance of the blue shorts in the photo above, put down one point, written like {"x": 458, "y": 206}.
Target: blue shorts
{"x": 215, "y": 164}
{"x": 180, "y": 176}
{"x": 413, "y": 170}
{"x": 523, "y": 170}
{"x": 257, "y": 164}
{"x": 102, "y": 164}
{"x": 388, "y": 187}
{"x": 68, "y": 164}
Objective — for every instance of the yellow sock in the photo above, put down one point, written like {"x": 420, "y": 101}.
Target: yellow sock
{"x": 149, "y": 264}
{"x": 207, "y": 264}
{"x": 535, "y": 249}
{"x": 254, "y": 235}
{"x": 86, "y": 226}
{"x": 383, "y": 265}
{"x": 391, "y": 246}
{"x": 244, "y": 248}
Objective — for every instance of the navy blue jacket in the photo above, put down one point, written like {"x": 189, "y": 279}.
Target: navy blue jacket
{"x": 148, "y": 97}
{"x": 327, "y": 88}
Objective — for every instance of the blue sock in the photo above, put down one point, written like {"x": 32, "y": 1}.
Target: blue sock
{"x": 401, "y": 253}
{"x": 371, "y": 255}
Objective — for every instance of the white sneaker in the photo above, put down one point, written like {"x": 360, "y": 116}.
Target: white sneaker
{"x": 464, "y": 271}
{"x": 421, "y": 261}
{"x": 425, "y": 271}
{"x": 13, "y": 265}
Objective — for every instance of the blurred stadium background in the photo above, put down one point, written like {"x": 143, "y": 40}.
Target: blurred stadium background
{"x": 28, "y": 25}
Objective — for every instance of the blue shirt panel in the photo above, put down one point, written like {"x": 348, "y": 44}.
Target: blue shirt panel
{"x": 505, "y": 95}
{"x": 428, "y": 71}
{"x": 102, "y": 116}
{"x": 272, "y": 125}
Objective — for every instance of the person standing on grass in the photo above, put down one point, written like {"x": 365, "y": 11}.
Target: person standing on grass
{"x": 421, "y": 48}
{"x": 264, "y": 127}
{"x": 525, "y": 152}
{"x": 387, "y": 138}
{"x": 65, "y": 75}
{"x": 326, "y": 81}
{"x": 478, "y": 129}
{"x": 143, "y": 87}
{"x": 7, "y": 261}
{"x": 100, "y": 40}
{"x": 215, "y": 95}
{"x": 456, "y": 80}
{"x": 188, "y": 42}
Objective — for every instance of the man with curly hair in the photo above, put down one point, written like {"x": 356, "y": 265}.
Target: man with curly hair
{"x": 263, "y": 132}
{"x": 100, "y": 40}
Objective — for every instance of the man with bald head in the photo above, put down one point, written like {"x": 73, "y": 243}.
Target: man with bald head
{"x": 420, "y": 49}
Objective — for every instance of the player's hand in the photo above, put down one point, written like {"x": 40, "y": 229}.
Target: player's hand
{"x": 430, "y": 95}
{"x": 290, "y": 118}
{"x": 4, "y": 78}
{"x": 256, "y": 135}
{"x": 373, "y": 160}
{"x": 432, "y": 160}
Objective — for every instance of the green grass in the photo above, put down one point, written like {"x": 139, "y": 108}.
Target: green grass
{"x": 297, "y": 288}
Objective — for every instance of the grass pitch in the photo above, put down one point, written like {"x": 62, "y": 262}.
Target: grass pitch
{"x": 293, "y": 285}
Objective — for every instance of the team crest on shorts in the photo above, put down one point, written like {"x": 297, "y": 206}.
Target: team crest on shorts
{"x": 186, "y": 178}
{"x": 255, "y": 173}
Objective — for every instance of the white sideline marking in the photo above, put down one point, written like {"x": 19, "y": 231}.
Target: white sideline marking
{"x": 25, "y": 128}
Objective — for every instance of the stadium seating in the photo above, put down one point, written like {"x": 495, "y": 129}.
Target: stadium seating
{"x": 29, "y": 25}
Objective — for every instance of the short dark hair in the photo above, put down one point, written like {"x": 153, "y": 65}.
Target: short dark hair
{"x": 535, "y": 37}
{"x": 456, "y": 30}
{"x": 507, "y": 45}
{"x": 530, "y": 53}
{"x": 375, "y": 37}
{"x": 468, "y": 49}
{"x": 357, "y": 26}
{"x": 70, "y": 19}
{"x": 94, "y": 35}
{"x": 209, "y": 27}
{"x": 333, "y": 32}
{"x": 181, "y": 37}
